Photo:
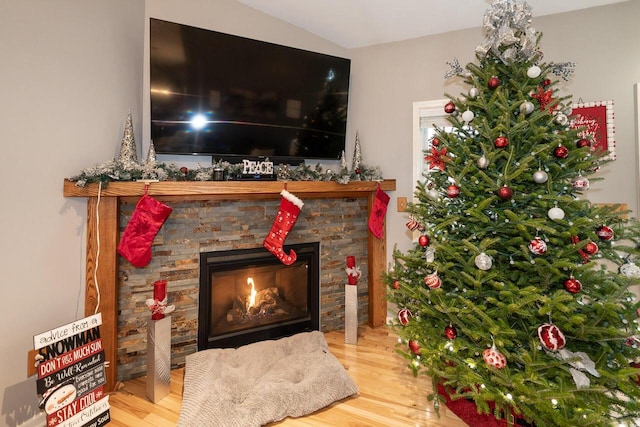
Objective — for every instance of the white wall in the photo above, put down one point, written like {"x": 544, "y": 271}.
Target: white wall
{"x": 387, "y": 79}
{"x": 71, "y": 69}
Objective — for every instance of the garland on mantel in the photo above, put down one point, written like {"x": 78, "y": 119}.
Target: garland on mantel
{"x": 116, "y": 170}
{"x": 127, "y": 168}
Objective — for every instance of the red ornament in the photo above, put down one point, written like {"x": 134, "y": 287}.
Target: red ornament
{"x": 505, "y": 193}
{"x": 546, "y": 82}
{"x": 561, "y": 152}
{"x": 590, "y": 248}
{"x": 453, "y": 191}
{"x": 583, "y": 142}
{"x": 435, "y": 141}
{"x": 493, "y": 82}
{"x": 551, "y": 337}
{"x": 396, "y": 284}
{"x": 538, "y": 246}
{"x": 604, "y": 232}
{"x": 433, "y": 281}
{"x": 404, "y": 316}
{"x": 414, "y": 346}
{"x": 184, "y": 170}
{"x": 493, "y": 357}
{"x": 450, "y": 332}
{"x": 582, "y": 252}
{"x": 423, "y": 240}
{"x": 414, "y": 225}
{"x": 501, "y": 142}
{"x": 449, "y": 107}
{"x": 572, "y": 285}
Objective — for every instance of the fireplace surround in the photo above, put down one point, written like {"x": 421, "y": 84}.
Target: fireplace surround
{"x": 248, "y": 295}
{"x": 101, "y": 290}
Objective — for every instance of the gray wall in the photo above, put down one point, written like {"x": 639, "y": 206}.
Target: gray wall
{"x": 72, "y": 69}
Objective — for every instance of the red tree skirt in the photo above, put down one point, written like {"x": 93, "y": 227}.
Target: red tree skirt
{"x": 466, "y": 410}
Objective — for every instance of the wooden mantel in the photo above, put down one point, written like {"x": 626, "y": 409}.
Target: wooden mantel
{"x": 103, "y": 205}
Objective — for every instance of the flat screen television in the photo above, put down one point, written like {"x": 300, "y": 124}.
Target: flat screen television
{"x": 235, "y": 98}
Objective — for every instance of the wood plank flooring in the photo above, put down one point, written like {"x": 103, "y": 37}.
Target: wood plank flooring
{"x": 389, "y": 393}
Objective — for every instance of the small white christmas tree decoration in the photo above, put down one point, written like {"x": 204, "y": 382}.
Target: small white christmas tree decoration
{"x": 357, "y": 156}
{"x": 128, "y": 152}
{"x": 151, "y": 155}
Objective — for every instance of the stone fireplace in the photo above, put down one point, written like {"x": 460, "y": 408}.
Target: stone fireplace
{"x": 218, "y": 216}
{"x": 338, "y": 227}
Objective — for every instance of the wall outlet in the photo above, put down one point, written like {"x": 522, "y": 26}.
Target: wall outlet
{"x": 402, "y": 204}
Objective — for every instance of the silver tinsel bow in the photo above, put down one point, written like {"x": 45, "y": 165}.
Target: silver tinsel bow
{"x": 579, "y": 362}
{"x": 509, "y": 34}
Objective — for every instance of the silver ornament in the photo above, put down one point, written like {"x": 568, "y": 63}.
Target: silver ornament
{"x": 540, "y": 177}
{"x": 555, "y": 213}
{"x": 467, "y": 116}
{"x": 562, "y": 119}
{"x": 474, "y": 92}
{"x": 483, "y": 162}
{"x": 527, "y": 107}
{"x": 433, "y": 194}
{"x": 629, "y": 269}
{"x": 483, "y": 261}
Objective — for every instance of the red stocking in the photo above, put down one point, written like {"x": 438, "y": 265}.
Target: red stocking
{"x": 146, "y": 221}
{"x": 378, "y": 211}
{"x": 290, "y": 207}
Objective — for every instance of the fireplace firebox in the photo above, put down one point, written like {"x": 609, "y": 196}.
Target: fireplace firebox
{"x": 248, "y": 295}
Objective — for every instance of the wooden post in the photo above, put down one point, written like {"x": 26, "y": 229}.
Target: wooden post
{"x": 377, "y": 264}
{"x": 101, "y": 290}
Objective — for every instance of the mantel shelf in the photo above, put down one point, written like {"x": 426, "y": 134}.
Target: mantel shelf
{"x": 229, "y": 189}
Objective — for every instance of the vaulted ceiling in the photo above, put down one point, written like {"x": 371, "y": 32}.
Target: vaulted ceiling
{"x": 358, "y": 23}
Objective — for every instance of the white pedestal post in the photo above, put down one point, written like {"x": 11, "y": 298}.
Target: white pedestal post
{"x": 158, "y": 358}
{"x": 351, "y": 314}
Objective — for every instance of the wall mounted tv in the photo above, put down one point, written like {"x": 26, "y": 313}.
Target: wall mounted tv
{"x": 235, "y": 98}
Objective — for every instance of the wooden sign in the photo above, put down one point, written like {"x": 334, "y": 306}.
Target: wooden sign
{"x": 597, "y": 124}
{"x": 71, "y": 374}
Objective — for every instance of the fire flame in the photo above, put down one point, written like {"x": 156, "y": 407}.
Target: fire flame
{"x": 252, "y": 296}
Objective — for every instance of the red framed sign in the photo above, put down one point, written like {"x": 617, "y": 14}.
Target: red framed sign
{"x": 596, "y": 120}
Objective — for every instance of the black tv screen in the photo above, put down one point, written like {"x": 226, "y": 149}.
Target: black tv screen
{"x": 234, "y": 98}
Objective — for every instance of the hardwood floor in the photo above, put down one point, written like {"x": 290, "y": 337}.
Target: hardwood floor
{"x": 389, "y": 393}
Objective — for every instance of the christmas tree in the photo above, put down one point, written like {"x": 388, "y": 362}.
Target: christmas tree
{"x": 516, "y": 294}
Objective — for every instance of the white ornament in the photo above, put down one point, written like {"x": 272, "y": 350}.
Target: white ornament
{"x": 527, "y": 107}
{"x": 474, "y": 92}
{"x": 467, "y": 116}
{"x": 540, "y": 177}
{"x": 483, "y": 162}
{"x": 580, "y": 183}
{"x": 430, "y": 254}
{"x": 534, "y": 71}
{"x": 556, "y": 213}
{"x": 483, "y": 261}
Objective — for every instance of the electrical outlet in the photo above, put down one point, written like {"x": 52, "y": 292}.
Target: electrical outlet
{"x": 402, "y": 204}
